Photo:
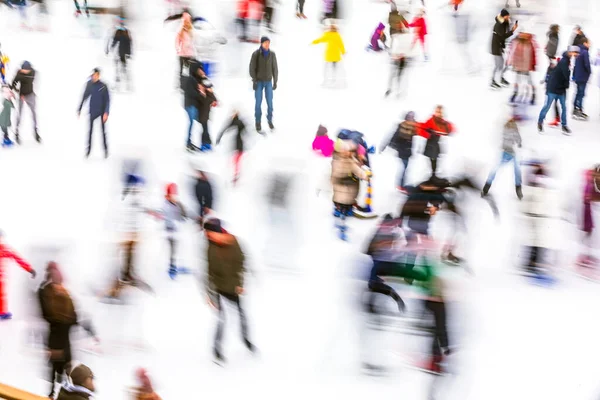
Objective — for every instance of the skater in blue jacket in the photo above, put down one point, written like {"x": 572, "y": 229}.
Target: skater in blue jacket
{"x": 97, "y": 92}
{"x": 581, "y": 76}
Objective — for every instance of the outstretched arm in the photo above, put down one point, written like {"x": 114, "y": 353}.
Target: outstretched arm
{"x": 22, "y": 263}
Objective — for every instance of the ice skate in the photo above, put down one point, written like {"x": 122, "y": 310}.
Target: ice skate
{"x": 451, "y": 259}
{"x": 5, "y": 316}
{"x": 172, "y": 271}
{"x": 519, "y": 192}
{"x": 258, "y": 127}
{"x": 566, "y": 131}
{"x": 206, "y": 147}
{"x": 271, "y": 126}
{"x": 38, "y": 138}
{"x": 218, "y": 358}
{"x": 433, "y": 365}
{"x": 540, "y": 127}
{"x": 7, "y": 142}
{"x": 494, "y": 85}
{"x": 192, "y": 148}
{"x": 555, "y": 123}
{"x": 579, "y": 115}
{"x": 504, "y": 82}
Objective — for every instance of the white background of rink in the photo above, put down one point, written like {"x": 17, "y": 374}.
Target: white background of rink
{"x": 520, "y": 341}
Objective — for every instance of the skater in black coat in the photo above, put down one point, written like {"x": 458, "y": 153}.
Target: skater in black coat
{"x": 97, "y": 92}
{"x": 579, "y": 36}
{"x": 204, "y": 194}
{"x": 192, "y": 98}
{"x": 24, "y": 80}
{"x": 122, "y": 39}
{"x": 240, "y": 128}
{"x": 207, "y": 100}
{"x": 552, "y": 45}
{"x": 401, "y": 141}
{"x": 501, "y": 33}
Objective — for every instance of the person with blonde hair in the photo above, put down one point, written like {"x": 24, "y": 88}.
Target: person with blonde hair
{"x": 184, "y": 42}
{"x": 333, "y": 52}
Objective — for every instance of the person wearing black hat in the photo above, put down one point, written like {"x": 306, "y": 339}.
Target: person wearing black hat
{"x": 97, "y": 92}
{"x": 225, "y": 279}
{"x": 264, "y": 73}
{"x": 24, "y": 79}
{"x": 401, "y": 141}
{"x": 501, "y": 33}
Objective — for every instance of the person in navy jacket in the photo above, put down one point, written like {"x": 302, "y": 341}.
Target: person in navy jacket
{"x": 556, "y": 89}
{"x": 97, "y": 92}
{"x": 581, "y": 75}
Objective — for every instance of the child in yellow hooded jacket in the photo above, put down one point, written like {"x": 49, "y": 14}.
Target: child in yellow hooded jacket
{"x": 335, "y": 48}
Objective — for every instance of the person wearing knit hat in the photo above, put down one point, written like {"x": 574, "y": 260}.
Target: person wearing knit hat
{"x": 322, "y": 144}
{"x": 82, "y": 385}
{"x": 264, "y": 72}
{"x": 501, "y": 33}
{"x": 225, "y": 280}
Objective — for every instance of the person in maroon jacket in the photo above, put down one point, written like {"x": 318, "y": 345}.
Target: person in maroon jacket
{"x": 6, "y": 252}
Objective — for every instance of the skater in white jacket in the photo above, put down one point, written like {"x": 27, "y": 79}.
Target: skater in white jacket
{"x": 207, "y": 41}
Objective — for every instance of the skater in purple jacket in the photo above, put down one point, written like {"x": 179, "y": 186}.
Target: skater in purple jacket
{"x": 378, "y": 36}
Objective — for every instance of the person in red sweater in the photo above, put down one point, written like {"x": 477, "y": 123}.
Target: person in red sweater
{"x": 6, "y": 252}
{"x": 432, "y": 130}
{"x": 420, "y": 26}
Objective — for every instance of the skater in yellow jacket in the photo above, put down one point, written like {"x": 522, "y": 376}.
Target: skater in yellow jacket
{"x": 334, "y": 51}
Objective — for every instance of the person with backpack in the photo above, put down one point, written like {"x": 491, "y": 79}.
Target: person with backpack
{"x": 401, "y": 141}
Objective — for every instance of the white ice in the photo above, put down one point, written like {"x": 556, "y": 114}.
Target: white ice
{"x": 518, "y": 341}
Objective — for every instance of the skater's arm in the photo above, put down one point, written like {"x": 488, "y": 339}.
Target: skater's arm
{"x": 253, "y": 64}
{"x": 173, "y": 17}
{"x": 228, "y": 127}
{"x": 16, "y": 81}
{"x": 86, "y": 94}
{"x": 106, "y": 100}
{"x": 275, "y": 72}
{"x": 319, "y": 40}
{"x": 586, "y": 63}
{"x": 22, "y": 263}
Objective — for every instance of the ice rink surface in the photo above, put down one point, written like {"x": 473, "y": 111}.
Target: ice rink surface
{"x": 516, "y": 341}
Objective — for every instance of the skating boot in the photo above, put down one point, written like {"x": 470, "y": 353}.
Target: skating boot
{"x": 504, "y": 82}
{"x": 18, "y": 139}
{"x": 519, "y": 192}
{"x": 6, "y": 316}
{"x": 298, "y": 15}
{"x": 555, "y": 123}
{"x": 494, "y": 85}
{"x": 218, "y": 358}
{"x": 271, "y": 126}
{"x": 532, "y": 102}
{"x": 451, "y": 259}
{"x": 172, "y": 271}
{"x": 258, "y": 127}
{"x": 486, "y": 189}
{"x": 303, "y": 16}
{"x": 191, "y": 147}
{"x": 540, "y": 127}
{"x": 343, "y": 233}
{"x": 566, "y": 131}
{"x": 513, "y": 98}
{"x": 7, "y": 142}
{"x": 206, "y": 147}
{"x": 432, "y": 365}
{"x": 251, "y": 347}
{"x": 371, "y": 150}
{"x": 388, "y": 92}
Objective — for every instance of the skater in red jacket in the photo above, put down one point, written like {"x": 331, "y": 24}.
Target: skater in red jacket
{"x": 5, "y": 252}
{"x": 432, "y": 130}
{"x": 420, "y": 26}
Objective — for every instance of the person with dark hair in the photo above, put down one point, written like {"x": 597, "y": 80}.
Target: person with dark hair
{"x": 122, "y": 40}
{"x": 97, "y": 92}
{"x": 24, "y": 80}
{"x": 204, "y": 194}
{"x": 264, "y": 73}
{"x": 499, "y": 36}
{"x": 433, "y": 130}
{"x": 557, "y": 86}
{"x": 552, "y": 45}
{"x": 581, "y": 75}
{"x": 225, "y": 280}
{"x": 578, "y": 36}
{"x": 186, "y": 13}
{"x": 82, "y": 385}
{"x": 401, "y": 141}
{"x": 58, "y": 310}
{"x": 78, "y": 8}
{"x": 240, "y": 128}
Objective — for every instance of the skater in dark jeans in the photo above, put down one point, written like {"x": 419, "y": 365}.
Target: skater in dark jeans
{"x": 264, "y": 73}
{"x": 24, "y": 79}
{"x": 204, "y": 194}
{"x": 300, "y": 9}
{"x": 97, "y": 92}
{"x": 198, "y": 99}
{"x": 556, "y": 89}
{"x": 225, "y": 279}
{"x": 581, "y": 76}
{"x": 499, "y": 36}
{"x": 433, "y": 130}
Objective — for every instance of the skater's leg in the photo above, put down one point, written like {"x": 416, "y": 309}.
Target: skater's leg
{"x": 205, "y": 134}
{"x": 517, "y": 166}
{"x": 21, "y": 101}
{"x": 129, "y": 248}
{"x": 236, "y": 165}
{"x": 382, "y": 288}
{"x": 243, "y": 320}
{"x": 301, "y": 6}
{"x": 505, "y": 158}
{"x": 258, "y": 98}
{"x": 563, "y": 105}
{"x": 498, "y": 66}
{"x": 30, "y": 100}
{"x": 269, "y": 97}
{"x": 192, "y": 113}
{"x": 433, "y": 166}
{"x": 220, "y": 325}
{"x": 5, "y": 131}
{"x": 91, "y": 129}
{"x": 172, "y": 250}
{"x": 550, "y": 97}
{"x": 440, "y": 338}
{"x": 403, "y": 175}
{"x": 105, "y": 141}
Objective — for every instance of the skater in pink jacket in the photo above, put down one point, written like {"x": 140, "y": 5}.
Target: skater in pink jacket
{"x": 184, "y": 43}
{"x": 322, "y": 145}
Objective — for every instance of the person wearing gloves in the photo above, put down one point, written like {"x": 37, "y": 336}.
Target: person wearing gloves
{"x": 225, "y": 280}
{"x": 581, "y": 76}
{"x": 58, "y": 310}
{"x": 7, "y": 253}
{"x": 122, "y": 40}
{"x": 264, "y": 73}
{"x": 510, "y": 138}
{"x": 24, "y": 80}
{"x": 81, "y": 385}
{"x": 333, "y": 52}
{"x": 97, "y": 92}
{"x": 401, "y": 141}
{"x": 556, "y": 89}
{"x": 499, "y": 36}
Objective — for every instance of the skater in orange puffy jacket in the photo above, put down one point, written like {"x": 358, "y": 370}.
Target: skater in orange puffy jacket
{"x": 6, "y": 252}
